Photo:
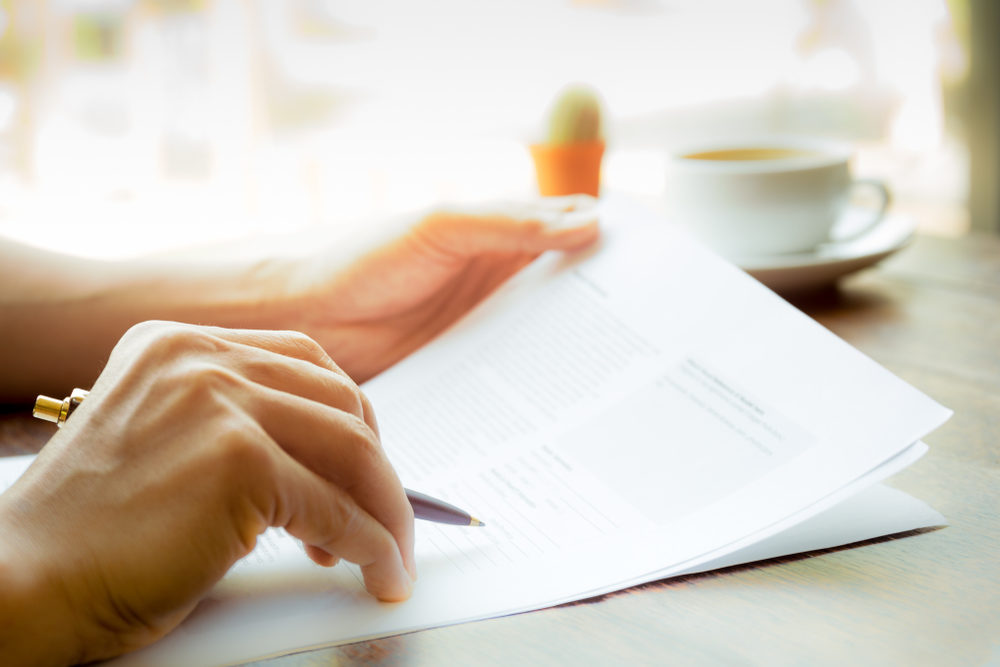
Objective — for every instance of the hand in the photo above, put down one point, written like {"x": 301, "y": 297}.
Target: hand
{"x": 369, "y": 305}
{"x": 381, "y": 307}
{"x": 192, "y": 442}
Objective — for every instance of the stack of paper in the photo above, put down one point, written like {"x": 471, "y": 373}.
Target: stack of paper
{"x": 640, "y": 411}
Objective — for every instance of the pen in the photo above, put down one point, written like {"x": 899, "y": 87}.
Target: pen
{"x": 424, "y": 507}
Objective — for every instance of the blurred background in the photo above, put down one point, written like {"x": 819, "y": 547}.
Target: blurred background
{"x": 130, "y": 126}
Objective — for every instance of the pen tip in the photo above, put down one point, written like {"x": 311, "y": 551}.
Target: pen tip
{"x": 473, "y": 521}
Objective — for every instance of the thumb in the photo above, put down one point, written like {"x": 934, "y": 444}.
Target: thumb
{"x": 556, "y": 223}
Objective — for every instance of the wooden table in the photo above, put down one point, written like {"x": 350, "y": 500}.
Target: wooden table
{"x": 932, "y": 315}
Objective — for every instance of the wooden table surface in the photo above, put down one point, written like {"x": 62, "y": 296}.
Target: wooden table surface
{"x": 931, "y": 314}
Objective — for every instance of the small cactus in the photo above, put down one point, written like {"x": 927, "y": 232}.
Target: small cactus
{"x": 575, "y": 117}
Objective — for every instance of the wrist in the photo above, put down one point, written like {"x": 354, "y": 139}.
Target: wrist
{"x": 37, "y": 626}
{"x": 232, "y": 294}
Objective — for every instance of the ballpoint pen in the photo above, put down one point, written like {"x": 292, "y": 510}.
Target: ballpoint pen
{"x": 424, "y": 507}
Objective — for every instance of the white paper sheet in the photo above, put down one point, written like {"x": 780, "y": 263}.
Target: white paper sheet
{"x": 644, "y": 410}
{"x": 277, "y": 601}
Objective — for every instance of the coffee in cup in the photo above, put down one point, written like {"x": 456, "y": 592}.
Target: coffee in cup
{"x": 754, "y": 198}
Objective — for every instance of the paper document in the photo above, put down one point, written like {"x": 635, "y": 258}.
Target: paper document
{"x": 642, "y": 410}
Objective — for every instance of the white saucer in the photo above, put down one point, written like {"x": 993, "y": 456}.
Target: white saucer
{"x": 830, "y": 261}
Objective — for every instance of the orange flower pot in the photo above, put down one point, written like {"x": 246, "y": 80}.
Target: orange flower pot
{"x": 568, "y": 169}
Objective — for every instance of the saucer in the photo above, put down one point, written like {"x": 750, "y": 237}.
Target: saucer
{"x": 797, "y": 272}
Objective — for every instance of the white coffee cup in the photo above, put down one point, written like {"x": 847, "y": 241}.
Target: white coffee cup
{"x": 768, "y": 197}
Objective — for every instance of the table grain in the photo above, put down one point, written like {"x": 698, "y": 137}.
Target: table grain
{"x": 930, "y": 314}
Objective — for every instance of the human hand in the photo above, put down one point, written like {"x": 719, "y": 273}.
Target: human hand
{"x": 192, "y": 442}
{"x": 380, "y": 307}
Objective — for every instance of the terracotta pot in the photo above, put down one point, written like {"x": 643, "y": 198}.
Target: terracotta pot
{"x": 568, "y": 169}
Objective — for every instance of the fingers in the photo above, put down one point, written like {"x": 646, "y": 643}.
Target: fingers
{"x": 340, "y": 448}
{"x": 288, "y": 361}
{"x": 165, "y": 341}
{"x": 301, "y": 378}
{"x": 292, "y": 344}
{"x": 556, "y": 223}
{"x": 321, "y": 557}
{"x": 331, "y": 387}
{"x": 333, "y": 526}
{"x": 270, "y": 358}
{"x": 324, "y": 421}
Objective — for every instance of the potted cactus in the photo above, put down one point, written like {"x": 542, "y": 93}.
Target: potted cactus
{"x": 569, "y": 160}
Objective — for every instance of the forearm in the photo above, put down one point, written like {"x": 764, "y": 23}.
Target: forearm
{"x": 60, "y": 316}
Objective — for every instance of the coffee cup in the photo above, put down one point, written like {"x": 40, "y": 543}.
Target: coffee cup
{"x": 770, "y": 197}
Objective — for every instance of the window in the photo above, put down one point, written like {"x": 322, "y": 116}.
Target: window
{"x": 129, "y": 126}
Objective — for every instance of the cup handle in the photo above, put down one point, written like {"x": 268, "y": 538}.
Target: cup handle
{"x": 878, "y": 211}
